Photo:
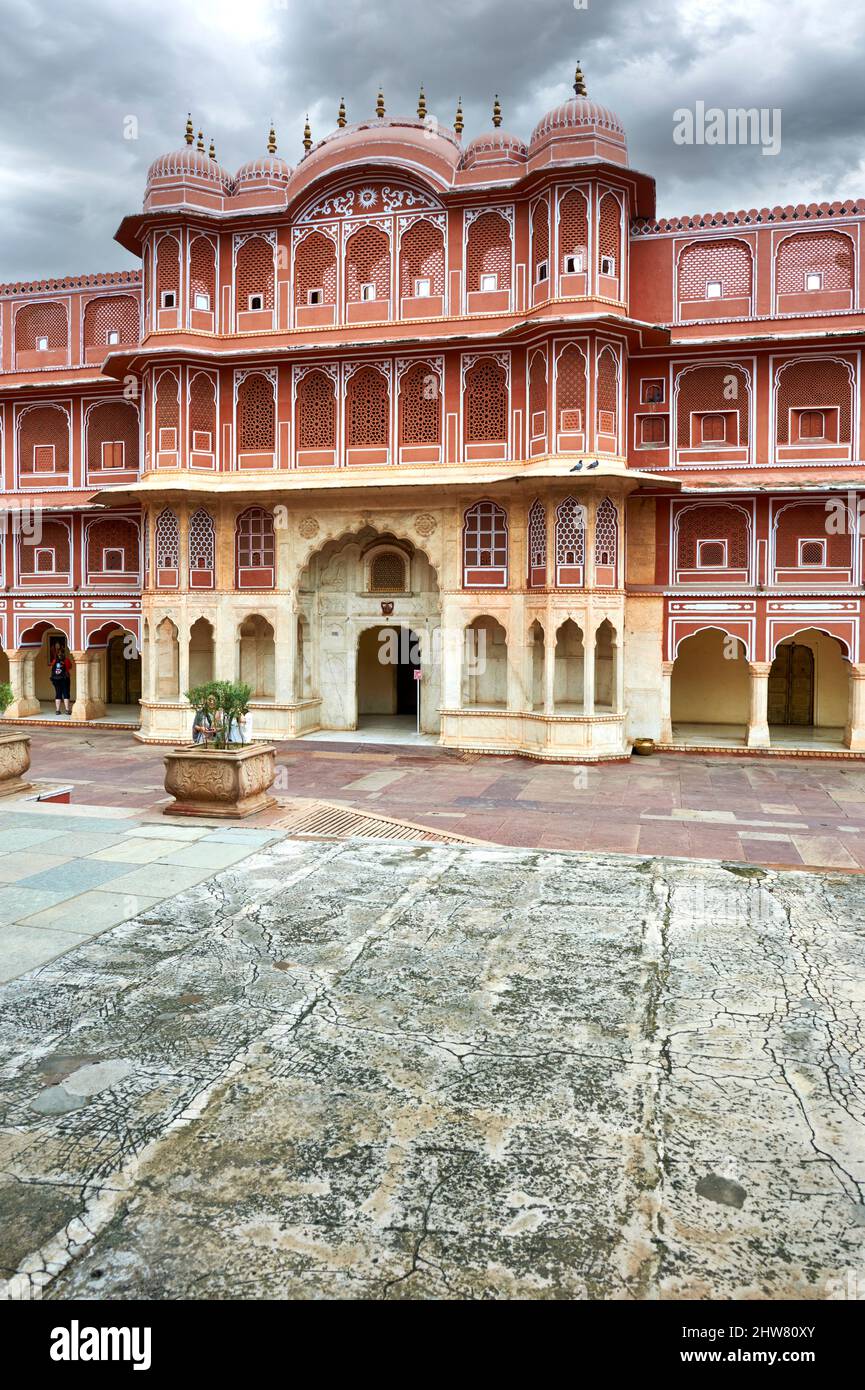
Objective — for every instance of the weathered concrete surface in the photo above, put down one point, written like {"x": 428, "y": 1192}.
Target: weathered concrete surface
{"x": 384, "y": 1071}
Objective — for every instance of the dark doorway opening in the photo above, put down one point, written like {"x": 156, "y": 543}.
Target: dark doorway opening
{"x": 791, "y": 685}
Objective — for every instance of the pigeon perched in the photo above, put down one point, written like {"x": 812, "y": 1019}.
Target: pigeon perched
{"x": 576, "y": 468}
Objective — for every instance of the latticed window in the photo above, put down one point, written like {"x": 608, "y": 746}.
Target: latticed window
{"x": 117, "y": 313}
{"x": 570, "y": 532}
{"x": 367, "y": 409}
{"x": 537, "y": 535}
{"x": 485, "y": 403}
{"x": 541, "y": 241}
{"x": 43, "y": 440}
{"x": 256, "y": 426}
{"x": 254, "y": 274}
{"x": 202, "y": 272}
{"x": 367, "y": 262}
{"x": 255, "y": 539}
{"x": 54, "y": 539}
{"x": 814, "y": 382}
{"x": 202, "y": 541}
{"x": 538, "y": 392}
{"x": 387, "y": 573}
{"x": 828, "y": 254}
{"x": 420, "y": 406}
{"x": 571, "y": 389}
{"x": 167, "y": 541}
{"x": 608, "y": 392}
{"x": 485, "y": 537}
{"x": 315, "y": 412}
{"x": 37, "y": 321}
{"x": 145, "y": 546}
{"x": 168, "y": 268}
{"x": 573, "y": 230}
{"x": 712, "y": 523}
{"x": 727, "y": 262}
{"x": 422, "y": 257}
{"x": 167, "y": 412}
{"x": 202, "y": 413}
{"x": 606, "y": 534}
{"x": 315, "y": 269}
{"x": 609, "y": 233}
{"x": 112, "y": 435}
{"x": 711, "y": 554}
{"x": 709, "y": 390}
{"x": 489, "y": 251}
{"x": 809, "y": 521}
{"x": 811, "y": 552}
{"x": 112, "y": 546}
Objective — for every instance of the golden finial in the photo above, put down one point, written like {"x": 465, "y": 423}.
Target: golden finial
{"x": 200, "y": 145}
{"x": 579, "y": 84}
{"x": 497, "y": 112}
{"x": 379, "y": 105}
{"x": 340, "y": 115}
{"x": 458, "y": 120}
{"x": 307, "y": 136}
{"x": 421, "y": 105}
{"x": 271, "y": 140}
{"x": 212, "y": 150}
{"x": 190, "y": 134}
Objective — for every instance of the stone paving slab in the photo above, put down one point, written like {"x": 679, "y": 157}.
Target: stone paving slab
{"x": 389, "y": 1071}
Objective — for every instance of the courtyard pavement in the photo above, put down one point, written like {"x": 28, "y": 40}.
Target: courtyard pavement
{"x": 398, "y": 1071}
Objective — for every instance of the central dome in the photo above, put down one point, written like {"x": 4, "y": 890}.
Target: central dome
{"x": 580, "y": 128}
{"x": 578, "y": 113}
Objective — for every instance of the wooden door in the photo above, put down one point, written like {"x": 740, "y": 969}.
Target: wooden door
{"x": 791, "y": 686}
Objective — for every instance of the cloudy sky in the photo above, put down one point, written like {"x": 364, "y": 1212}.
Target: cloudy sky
{"x": 72, "y": 76}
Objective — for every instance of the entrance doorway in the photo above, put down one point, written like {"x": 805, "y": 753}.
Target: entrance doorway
{"x": 791, "y": 685}
{"x": 387, "y": 658}
{"x": 123, "y": 672}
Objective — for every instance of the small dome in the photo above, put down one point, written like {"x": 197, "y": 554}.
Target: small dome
{"x": 189, "y": 163}
{"x": 494, "y": 147}
{"x": 268, "y": 171}
{"x": 578, "y": 113}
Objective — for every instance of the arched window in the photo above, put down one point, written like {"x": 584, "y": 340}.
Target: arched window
{"x": 422, "y": 261}
{"x": 202, "y": 550}
{"x": 113, "y": 319}
{"x": 485, "y": 664}
{"x": 715, "y": 270}
{"x": 488, "y": 253}
{"x": 606, "y": 543}
{"x": 112, "y": 436}
{"x": 713, "y": 429}
{"x": 538, "y": 397}
{"x": 485, "y": 403}
{"x": 610, "y": 236}
{"x": 719, "y": 391}
{"x": 571, "y": 391}
{"x": 573, "y": 234}
{"x": 112, "y": 549}
{"x": 315, "y": 270}
{"x": 608, "y": 393}
{"x": 43, "y": 440}
{"x": 537, "y": 544}
{"x": 420, "y": 406}
{"x": 41, "y": 327}
{"x": 570, "y": 542}
{"x": 255, "y": 549}
{"x": 256, "y": 415}
{"x": 167, "y": 550}
{"x": 703, "y": 529}
{"x": 809, "y": 261}
{"x": 367, "y": 410}
{"x": 387, "y": 573}
{"x": 202, "y": 275}
{"x": 254, "y": 276}
{"x": 541, "y": 242}
{"x": 49, "y": 554}
{"x": 797, "y": 529}
{"x": 367, "y": 265}
{"x": 167, "y": 418}
{"x": 485, "y": 547}
{"x": 814, "y": 400}
{"x": 315, "y": 412}
{"x": 202, "y": 420}
{"x": 167, "y": 273}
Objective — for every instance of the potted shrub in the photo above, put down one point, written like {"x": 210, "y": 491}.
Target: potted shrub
{"x": 14, "y": 751}
{"x": 220, "y": 774}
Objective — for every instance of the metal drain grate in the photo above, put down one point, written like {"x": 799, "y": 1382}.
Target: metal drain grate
{"x": 327, "y": 820}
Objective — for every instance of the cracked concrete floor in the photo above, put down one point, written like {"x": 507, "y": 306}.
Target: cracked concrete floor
{"x": 394, "y": 1071}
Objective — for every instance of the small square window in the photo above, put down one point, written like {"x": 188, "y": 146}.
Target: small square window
{"x": 41, "y": 344}
{"x": 543, "y": 271}
{"x": 711, "y": 554}
{"x": 490, "y": 281}
{"x": 812, "y": 553}
{"x": 422, "y": 288}
{"x": 113, "y": 337}
{"x": 112, "y": 560}
{"x": 168, "y": 300}
{"x": 813, "y": 280}
{"x": 608, "y": 265}
{"x": 202, "y": 301}
{"x": 256, "y": 301}
{"x": 315, "y": 297}
{"x": 713, "y": 289}
{"x": 652, "y": 391}
{"x": 574, "y": 264}
{"x": 367, "y": 292}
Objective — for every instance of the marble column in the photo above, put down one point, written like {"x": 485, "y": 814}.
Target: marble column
{"x": 87, "y": 703}
{"x": 24, "y": 702}
{"x": 589, "y": 672}
{"x": 666, "y": 733}
{"x": 758, "y": 719}
{"x": 854, "y": 734}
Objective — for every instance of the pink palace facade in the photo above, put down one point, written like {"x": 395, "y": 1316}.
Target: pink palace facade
{"x": 599, "y": 471}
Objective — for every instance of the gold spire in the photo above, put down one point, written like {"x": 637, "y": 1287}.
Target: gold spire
{"x": 497, "y": 112}
{"x": 340, "y": 115}
{"x": 379, "y": 105}
{"x": 579, "y": 84}
{"x": 307, "y": 135}
{"x": 212, "y": 150}
{"x": 200, "y": 145}
{"x": 458, "y": 119}
{"x": 271, "y": 140}
{"x": 421, "y": 105}
{"x": 189, "y": 135}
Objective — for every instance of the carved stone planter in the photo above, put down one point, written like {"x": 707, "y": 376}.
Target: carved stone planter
{"x": 14, "y": 762}
{"x": 209, "y": 782}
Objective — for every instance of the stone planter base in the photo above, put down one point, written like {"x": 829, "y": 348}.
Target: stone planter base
{"x": 231, "y": 784}
{"x": 14, "y": 762}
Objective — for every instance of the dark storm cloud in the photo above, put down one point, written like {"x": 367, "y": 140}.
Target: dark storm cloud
{"x": 74, "y": 77}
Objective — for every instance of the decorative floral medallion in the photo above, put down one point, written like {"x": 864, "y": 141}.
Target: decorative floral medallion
{"x": 425, "y": 524}
{"x": 308, "y": 527}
